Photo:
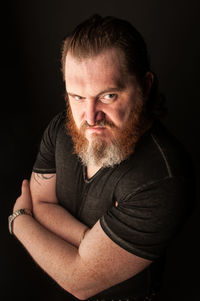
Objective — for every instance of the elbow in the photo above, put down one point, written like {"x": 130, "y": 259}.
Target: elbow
{"x": 80, "y": 284}
{"x": 78, "y": 293}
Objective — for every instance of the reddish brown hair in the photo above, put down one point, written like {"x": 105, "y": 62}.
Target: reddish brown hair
{"x": 97, "y": 34}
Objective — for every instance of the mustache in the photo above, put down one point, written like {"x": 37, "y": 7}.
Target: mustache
{"x": 100, "y": 123}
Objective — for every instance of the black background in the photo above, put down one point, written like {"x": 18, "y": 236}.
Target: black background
{"x": 32, "y": 93}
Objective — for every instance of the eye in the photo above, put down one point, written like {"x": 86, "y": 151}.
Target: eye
{"x": 76, "y": 97}
{"x": 108, "y": 98}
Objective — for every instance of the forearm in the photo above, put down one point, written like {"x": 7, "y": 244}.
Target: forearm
{"x": 54, "y": 255}
{"x": 84, "y": 271}
{"x": 59, "y": 221}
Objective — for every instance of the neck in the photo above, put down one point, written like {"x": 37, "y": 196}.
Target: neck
{"x": 92, "y": 170}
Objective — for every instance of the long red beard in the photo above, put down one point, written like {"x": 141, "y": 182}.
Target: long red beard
{"x": 121, "y": 146}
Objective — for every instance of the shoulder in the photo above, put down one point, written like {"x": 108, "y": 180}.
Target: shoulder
{"x": 45, "y": 160}
{"x": 158, "y": 156}
{"x": 171, "y": 152}
{"x": 57, "y": 122}
{"x": 55, "y": 127}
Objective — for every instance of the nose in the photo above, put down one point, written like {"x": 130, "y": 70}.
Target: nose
{"x": 92, "y": 112}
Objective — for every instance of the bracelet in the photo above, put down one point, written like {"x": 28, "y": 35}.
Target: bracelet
{"x": 12, "y": 217}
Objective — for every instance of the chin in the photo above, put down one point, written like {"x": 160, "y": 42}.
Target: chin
{"x": 95, "y": 137}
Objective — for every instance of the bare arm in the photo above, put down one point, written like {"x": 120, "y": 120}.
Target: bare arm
{"x": 83, "y": 271}
{"x": 49, "y": 213}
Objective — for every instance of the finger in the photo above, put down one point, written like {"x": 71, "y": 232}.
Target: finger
{"x": 25, "y": 187}
{"x": 25, "y": 182}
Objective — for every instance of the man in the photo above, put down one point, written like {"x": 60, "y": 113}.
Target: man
{"x": 110, "y": 187}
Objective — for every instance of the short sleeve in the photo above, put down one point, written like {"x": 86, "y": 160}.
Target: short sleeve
{"x": 145, "y": 221}
{"x": 45, "y": 160}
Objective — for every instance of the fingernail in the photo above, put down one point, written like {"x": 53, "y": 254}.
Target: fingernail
{"x": 24, "y": 182}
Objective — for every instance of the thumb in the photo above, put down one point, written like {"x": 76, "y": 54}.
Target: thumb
{"x": 25, "y": 187}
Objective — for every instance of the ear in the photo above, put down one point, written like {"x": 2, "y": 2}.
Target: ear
{"x": 148, "y": 82}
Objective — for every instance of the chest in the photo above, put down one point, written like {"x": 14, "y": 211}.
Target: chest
{"x": 86, "y": 200}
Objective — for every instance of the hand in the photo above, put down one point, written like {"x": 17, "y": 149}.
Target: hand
{"x": 24, "y": 200}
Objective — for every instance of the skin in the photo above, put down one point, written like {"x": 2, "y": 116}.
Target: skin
{"x": 53, "y": 237}
{"x": 109, "y": 94}
{"x": 95, "y": 95}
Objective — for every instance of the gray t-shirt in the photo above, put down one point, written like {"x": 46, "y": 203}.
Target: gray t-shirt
{"x": 154, "y": 188}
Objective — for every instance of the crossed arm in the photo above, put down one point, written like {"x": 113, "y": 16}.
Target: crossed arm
{"x": 53, "y": 238}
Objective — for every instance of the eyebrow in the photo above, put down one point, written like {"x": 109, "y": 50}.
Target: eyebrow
{"x": 111, "y": 89}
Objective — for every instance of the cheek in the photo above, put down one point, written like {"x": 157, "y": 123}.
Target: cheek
{"x": 119, "y": 115}
{"x": 76, "y": 114}
{"x": 125, "y": 109}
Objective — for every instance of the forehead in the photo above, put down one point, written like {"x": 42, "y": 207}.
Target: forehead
{"x": 103, "y": 69}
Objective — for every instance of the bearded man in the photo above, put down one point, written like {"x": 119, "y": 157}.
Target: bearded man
{"x": 110, "y": 187}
